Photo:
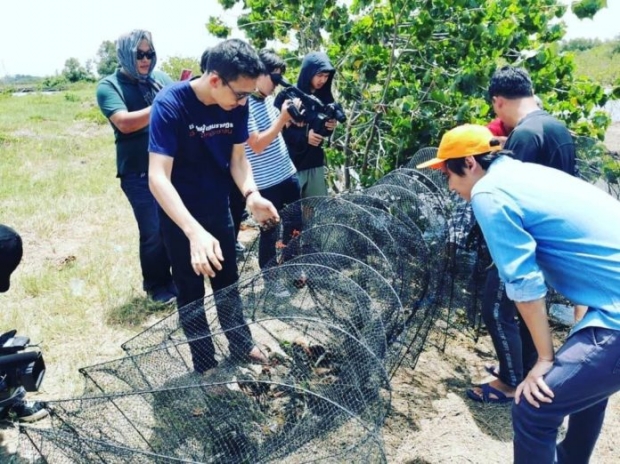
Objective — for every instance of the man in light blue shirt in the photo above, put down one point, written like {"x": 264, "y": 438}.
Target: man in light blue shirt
{"x": 543, "y": 225}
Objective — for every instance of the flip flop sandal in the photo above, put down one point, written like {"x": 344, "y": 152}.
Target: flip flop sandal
{"x": 487, "y": 390}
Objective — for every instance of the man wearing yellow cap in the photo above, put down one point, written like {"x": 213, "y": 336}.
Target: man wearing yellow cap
{"x": 543, "y": 225}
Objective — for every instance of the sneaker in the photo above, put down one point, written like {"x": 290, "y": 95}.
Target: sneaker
{"x": 29, "y": 411}
{"x": 163, "y": 296}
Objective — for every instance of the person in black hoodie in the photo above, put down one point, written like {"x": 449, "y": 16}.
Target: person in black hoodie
{"x": 304, "y": 145}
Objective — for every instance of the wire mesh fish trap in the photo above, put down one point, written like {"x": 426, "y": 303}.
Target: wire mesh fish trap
{"x": 427, "y": 179}
{"x": 405, "y": 251}
{"x": 38, "y": 445}
{"x": 597, "y": 165}
{"x": 381, "y": 293}
{"x": 467, "y": 262}
{"x": 216, "y": 422}
{"x": 306, "y": 290}
{"x": 411, "y": 209}
{"x": 321, "y": 385}
{"x": 423, "y": 155}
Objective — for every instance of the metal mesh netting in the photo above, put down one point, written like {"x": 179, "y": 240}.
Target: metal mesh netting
{"x": 597, "y": 164}
{"x": 381, "y": 293}
{"x": 221, "y": 420}
{"x": 426, "y": 154}
{"x": 303, "y": 290}
{"x": 325, "y": 342}
{"x": 354, "y": 291}
{"x": 404, "y": 251}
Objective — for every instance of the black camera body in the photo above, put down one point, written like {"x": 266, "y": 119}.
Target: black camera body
{"x": 18, "y": 367}
{"x": 312, "y": 111}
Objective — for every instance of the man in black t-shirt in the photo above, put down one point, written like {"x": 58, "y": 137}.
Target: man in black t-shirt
{"x": 537, "y": 136}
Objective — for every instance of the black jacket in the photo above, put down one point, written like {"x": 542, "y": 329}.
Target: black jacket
{"x": 306, "y": 156}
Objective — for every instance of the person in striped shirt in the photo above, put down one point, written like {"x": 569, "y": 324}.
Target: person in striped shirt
{"x": 265, "y": 149}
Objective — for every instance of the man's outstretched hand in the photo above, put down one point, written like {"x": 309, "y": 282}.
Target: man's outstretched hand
{"x": 263, "y": 211}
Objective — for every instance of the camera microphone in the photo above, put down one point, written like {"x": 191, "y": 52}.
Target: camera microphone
{"x": 278, "y": 79}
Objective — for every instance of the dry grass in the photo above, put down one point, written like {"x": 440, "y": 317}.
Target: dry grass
{"x": 78, "y": 289}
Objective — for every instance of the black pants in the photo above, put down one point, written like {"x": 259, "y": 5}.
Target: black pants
{"x": 511, "y": 338}
{"x": 191, "y": 291}
{"x": 285, "y": 193}
{"x": 237, "y": 209}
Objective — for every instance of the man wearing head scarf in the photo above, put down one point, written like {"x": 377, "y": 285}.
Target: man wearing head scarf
{"x": 125, "y": 98}
{"x": 303, "y": 143}
{"x": 12, "y": 402}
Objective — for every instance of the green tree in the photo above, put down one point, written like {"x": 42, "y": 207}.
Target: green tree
{"x": 175, "y": 64}
{"x": 410, "y": 69}
{"x": 75, "y": 72}
{"x": 587, "y": 8}
{"x": 107, "y": 60}
{"x": 580, "y": 44}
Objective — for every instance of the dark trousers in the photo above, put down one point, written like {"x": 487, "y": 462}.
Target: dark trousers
{"x": 513, "y": 343}
{"x": 191, "y": 292}
{"x": 237, "y": 208}
{"x": 285, "y": 193}
{"x": 154, "y": 260}
{"x": 586, "y": 372}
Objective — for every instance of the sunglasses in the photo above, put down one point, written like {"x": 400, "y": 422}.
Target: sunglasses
{"x": 238, "y": 95}
{"x": 140, "y": 55}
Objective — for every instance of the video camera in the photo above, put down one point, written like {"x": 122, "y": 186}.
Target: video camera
{"x": 312, "y": 111}
{"x": 19, "y": 369}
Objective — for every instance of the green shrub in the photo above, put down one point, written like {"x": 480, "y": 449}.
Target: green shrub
{"x": 71, "y": 97}
{"x": 92, "y": 115}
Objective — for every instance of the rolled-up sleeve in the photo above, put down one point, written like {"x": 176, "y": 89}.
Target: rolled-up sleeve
{"x": 513, "y": 249}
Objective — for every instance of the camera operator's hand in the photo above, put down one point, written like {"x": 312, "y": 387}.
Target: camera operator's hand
{"x": 285, "y": 114}
{"x": 331, "y": 124}
{"x": 314, "y": 139}
{"x": 289, "y": 110}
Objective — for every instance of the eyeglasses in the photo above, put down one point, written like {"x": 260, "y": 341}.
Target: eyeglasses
{"x": 238, "y": 95}
{"x": 140, "y": 55}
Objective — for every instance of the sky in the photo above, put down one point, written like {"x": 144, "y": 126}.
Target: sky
{"x": 38, "y": 36}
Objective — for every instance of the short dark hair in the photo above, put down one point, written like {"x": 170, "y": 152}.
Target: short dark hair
{"x": 234, "y": 58}
{"x": 204, "y": 60}
{"x": 510, "y": 82}
{"x": 272, "y": 61}
{"x": 457, "y": 165}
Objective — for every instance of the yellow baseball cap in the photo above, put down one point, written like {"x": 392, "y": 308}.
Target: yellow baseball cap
{"x": 462, "y": 141}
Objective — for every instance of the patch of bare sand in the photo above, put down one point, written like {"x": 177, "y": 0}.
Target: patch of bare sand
{"x": 433, "y": 422}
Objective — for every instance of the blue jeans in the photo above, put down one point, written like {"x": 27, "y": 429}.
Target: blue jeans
{"x": 191, "y": 291}
{"x": 586, "y": 372}
{"x": 154, "y": 260}
{"x": 513, "y": 343}
{"x": 285, "y": 193}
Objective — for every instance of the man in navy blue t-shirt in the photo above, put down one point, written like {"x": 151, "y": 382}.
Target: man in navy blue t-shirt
{"x": 197, "y": 135}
